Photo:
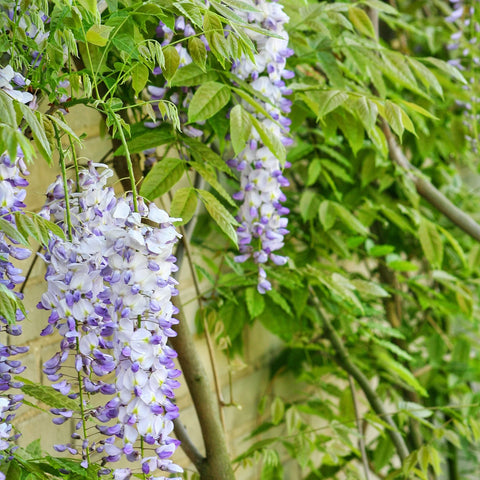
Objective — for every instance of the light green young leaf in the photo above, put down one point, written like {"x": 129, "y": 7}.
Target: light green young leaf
{"x": 446, "y": 67}
{"x": 163, "y": 176}
{"x": 139, "y": 77}
{"x": 7, "y": 109}
{"x": 277, "y": 410}
{"x": 366, "y": 110}
{"x": 255, "y": 302}
{"x": 47, "y": 395}
{"x": 393, "y": 115}
{"x": 431, "y": 242}
{"x": 220, "y": 214}
{"x": 209, "y": 99}
{"x": 349, "y": 220}
{"x": 327, "y": 214}
{"x": 210, "y": 175}
{"x": 328, "y": 101}
{"x": 198, "y": 52}
{"x": 98, "y": 35}
{"x": 270, "y": 140}
{"x": 184, "y": 204}
{"x": 361, "y": 21}
{"x": 240, "y": 128}
{"x": 172, "y": 61}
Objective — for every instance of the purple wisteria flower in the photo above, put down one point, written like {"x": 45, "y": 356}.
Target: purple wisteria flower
{"x": 109, "y": 293}
{"x": 12, "y": 195}
{"x": 13, "y": 84}
{"x": 262, "y": 216}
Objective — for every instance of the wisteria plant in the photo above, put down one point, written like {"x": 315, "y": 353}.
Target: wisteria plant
{"x": 312, "y": 167}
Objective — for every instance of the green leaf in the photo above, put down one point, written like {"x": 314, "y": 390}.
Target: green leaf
{"x": 37, "y": 130}
{"x": 162, "y": 177}
{"x": 184, "y": 204}
{"x": 280, "y": 301}
{"x": 426, "y": 76}
{"x": 8, "y": 229}
{"x": 45, "y": 227}
{"x": 47, "y": 395}
{"x": 431, "y": 242}
{"x": 172, "y": 61}
{"x": 139, "y": 77}
{"x": 393, "y": 115}
{"x": 367, "y": 112}
{"x": 314, "y": 169}
{"x": 240, "y": 128}
{"x": 64, "y": 127}
{"x": 198, "y": 52}
{"x": 328, "y": 101}
{"x": 370, "y": 288}
{"x": 270, "y": 140}
{"x": 392, "y": 367}
{"x": 351, "y": 128}
{"x": 209, "y": 99}
{"x": 446, "y": 67}
{"x": 210, "y": 175}
{"x": 220, "y": 214}
{"x": 146, "y": 138}
{"x": 327, "y": 214}
{"x": 203, "y": 153}
{"x": 8, "y": 110}
{"x": 255, "y": 302}
{"x": 8, "y": 305}
{"x": 98, "y": 35}
{"x": 191, "y": 75}
{"x": 361, "y": 21}
{"x": 277, "y": 410}
{"x": 349, "y": 220}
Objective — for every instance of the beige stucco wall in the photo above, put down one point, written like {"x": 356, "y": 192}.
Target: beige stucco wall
{"x": 249, "y": 383}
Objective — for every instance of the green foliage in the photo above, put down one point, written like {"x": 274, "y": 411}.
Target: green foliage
{"x": 368, "y": 251}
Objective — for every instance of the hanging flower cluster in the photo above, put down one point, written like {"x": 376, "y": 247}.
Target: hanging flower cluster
{"x": 465, "y": 43}
{"x": 261, "y": 215}
{"x": 12, "y": 195}
{"x": 109, "y": 293}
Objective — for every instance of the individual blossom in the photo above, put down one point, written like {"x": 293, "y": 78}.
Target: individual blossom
{"x": 262, "y": 216}
{"x": 109, "y": 293}
{"x": 13, "y": 84}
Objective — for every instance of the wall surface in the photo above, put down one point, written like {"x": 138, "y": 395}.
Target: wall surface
{"x": 249, "y": 382}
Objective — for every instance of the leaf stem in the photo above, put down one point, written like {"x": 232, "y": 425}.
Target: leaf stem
{"x": 65, "y": 184}
{"x": 128, "y": 157}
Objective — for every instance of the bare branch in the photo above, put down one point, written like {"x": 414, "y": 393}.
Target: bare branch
{"x": 187, "y": 445}
{"x": 431, "y": 194}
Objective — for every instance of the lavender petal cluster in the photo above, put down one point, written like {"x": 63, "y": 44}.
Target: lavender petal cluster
{"x": 109, "y": 293}
{"x": 12, "y": 196}
{"x": 262, "y": 216}
{"x": 464, "y": 44}
{"x": 13, "y": 84}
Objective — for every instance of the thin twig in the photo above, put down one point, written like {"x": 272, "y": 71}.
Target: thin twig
{"x": 430, "y": 193}
{"x": 361, "y": 440}
{"x": 30, "y": 269}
